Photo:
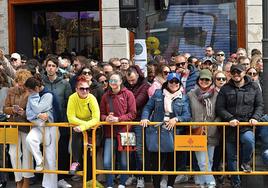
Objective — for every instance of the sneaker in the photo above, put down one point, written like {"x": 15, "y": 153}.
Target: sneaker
{"x": 197, "y": 180}
{"x": 246, "y": 167}
{"x": 131, "y": 180}
{"x": 163, "y": 183}
{"x": 181, "y": 179}
{"x": 140, "y": 182}
{"x": 121, "y": 186}
{"x": 63, "y": 184}
{"x": 169, "y": 187}
{"x": 39, "y": 167}
{"x": 74, "y": 168}
{"x": 212, "y": 185}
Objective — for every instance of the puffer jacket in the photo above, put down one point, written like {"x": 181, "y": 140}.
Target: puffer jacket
{"x": 241, "y": 103}
{"x": 191, "y": 80}
{"x": 124, "y": 107}
{"x": 198, "y": 111}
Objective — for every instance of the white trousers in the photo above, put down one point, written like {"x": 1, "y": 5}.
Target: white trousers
{"x": 33, "y": 141}
{"x": 24, "y": 157}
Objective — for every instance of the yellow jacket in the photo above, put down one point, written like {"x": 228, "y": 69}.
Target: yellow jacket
{"x": 83, "y": 112}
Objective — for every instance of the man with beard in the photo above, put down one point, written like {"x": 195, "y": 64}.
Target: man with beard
{"x": 240, "y": 100}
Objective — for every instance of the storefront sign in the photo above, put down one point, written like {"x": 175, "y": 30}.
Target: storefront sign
{"x": 140, "y": 54}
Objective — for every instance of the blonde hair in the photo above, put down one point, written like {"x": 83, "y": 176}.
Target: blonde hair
{"x": 22, "y": 75}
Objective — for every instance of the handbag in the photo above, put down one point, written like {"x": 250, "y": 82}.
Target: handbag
{"x": 126, "y": 141}
{"x": 198, "y": 130}
{"x": 166, "y": 138}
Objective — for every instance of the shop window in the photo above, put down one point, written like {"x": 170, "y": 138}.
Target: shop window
{"x": 190, "y": 26}
{"x": 66, "y": 32}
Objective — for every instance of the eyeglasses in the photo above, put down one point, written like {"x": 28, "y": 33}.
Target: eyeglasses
{"x": 165, "y": 72}
{"x": 13, "y": 59}
{"x": 204, "y": 79}
{"x": 84, "y": 89}
{"x": 252, "y": 74}
{"x": 176, "y": 81}
{"x": 221, "y": 78}
{"x": 235, "y": 72}
{"x": 113, "y": 81}
{"x": 180, "y": 64}
{"x": 86, "y": 73}
{"x": 207, "y": 63}
{"x": 220, "y": 54}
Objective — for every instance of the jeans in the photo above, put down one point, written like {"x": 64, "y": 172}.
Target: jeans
{"x": 247, "y": 140}
{"x": 107, "y": 161}
{"x": 138, "y": 132}
{"x": 203, "y": 157}
{"x": 264, "y": 138}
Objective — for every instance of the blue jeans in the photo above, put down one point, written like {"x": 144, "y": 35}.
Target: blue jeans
{"x": 138, "y": 132}
{"x": 263, "y": 130}
{"x": 247, "y": 140}
{"x": 205, "y": 162}
{"x": 107, "y": 161}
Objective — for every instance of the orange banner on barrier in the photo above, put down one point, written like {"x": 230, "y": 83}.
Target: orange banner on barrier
{"x": 190, "y": 143}
{"x": 8, "y": 136}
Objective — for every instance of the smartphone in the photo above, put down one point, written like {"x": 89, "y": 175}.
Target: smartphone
{"x": 16, "y": 108}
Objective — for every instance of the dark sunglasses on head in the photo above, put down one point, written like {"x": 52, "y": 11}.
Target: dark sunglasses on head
{"x": 84, "y": 89}
{"x": 235, "y": 72}
{"x": 165, "y": 72}
{"x": 221, "y": 78}
{"x": 204, "y": 79}
{"x": 180, "y": 64}
{"x": 253, "y": 74}
{"x": 220, "y": 54}
{"x": 174, "y": 81}
{"x": 86, "y": 73}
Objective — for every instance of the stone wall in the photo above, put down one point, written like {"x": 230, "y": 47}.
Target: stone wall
{"x": 3, "y": 26}
{"x": 115, "y": 39}
{"x": 254, "y": 24}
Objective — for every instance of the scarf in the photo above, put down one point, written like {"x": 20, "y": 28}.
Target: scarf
{"x": 55, "y": 103}
{"x": 204, "y": 98}
{"x": 168, "y": 98}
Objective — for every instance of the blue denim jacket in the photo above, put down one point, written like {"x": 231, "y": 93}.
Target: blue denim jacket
{"x": 154, "y": 109}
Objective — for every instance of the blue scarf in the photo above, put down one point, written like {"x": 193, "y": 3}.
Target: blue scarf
{"x": 55, "y": 105}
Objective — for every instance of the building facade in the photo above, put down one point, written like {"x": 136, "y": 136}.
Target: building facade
{"x": 105, "y": 37}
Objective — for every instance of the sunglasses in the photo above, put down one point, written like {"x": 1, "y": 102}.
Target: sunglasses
{"x": 84, "y": 89}
{"x": 180, "y": 64}
{"x": 165, "y": 72}
{"x": 235, "y": 72}
{"x": 174, "y": 81}
{"x": 252, "y": 74}
{"x": 220, "y": 54}
{"x": 104, "y": 81}
{"x": 113, "y": 81}
{"x": 13, "y": 59}
{"x": 86, "y": 73}
{"x": 204, "y": 79}
{"x": 221, "y": 78}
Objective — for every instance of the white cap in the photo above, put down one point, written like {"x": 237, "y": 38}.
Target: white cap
{"x": 15, "y": 56}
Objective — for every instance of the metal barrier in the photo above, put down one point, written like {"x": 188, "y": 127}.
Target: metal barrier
{"x": 174, "y": 172}
{"x": 9, "y": 135}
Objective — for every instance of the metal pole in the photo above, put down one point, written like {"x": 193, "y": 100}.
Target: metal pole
{"x": 140, "y": 30}
{"x": 265, "y": 53}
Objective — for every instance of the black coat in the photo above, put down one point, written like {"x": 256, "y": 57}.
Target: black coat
{"x": 242, "y": 103}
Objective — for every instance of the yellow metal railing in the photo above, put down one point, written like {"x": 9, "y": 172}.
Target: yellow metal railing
{"x": 96, "y": 171}
{"x": 9, "y": 135}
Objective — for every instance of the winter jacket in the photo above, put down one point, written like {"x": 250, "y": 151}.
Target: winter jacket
{"x": 198, "y": 111}
{"x": 83, "y": 112}
{"x": 96, "y": 90}
{"x": 140, "y": 92}
{"x": 124, "y": 106}
{"x": 62, "y": 89}
{"x": 155, "y": 108}
{"x": 241, "y": 103}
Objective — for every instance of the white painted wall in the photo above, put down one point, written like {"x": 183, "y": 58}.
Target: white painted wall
{"x": 3, "y": 25}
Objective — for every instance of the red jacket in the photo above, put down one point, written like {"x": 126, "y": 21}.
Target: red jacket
{"x": 124, "y": 106}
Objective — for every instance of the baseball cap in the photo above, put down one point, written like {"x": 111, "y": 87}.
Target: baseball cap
{"x": 15, "y": 56}
{"x": 205, "y": 73}
{"x": 238, "y": 67}
{"x": 173, "y": 75}
{"x": 208, "y": 59}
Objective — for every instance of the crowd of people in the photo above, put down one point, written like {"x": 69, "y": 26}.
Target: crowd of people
{"x": 82, "y": 91}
